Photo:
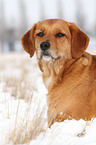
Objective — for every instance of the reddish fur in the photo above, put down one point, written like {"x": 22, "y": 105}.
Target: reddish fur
{"x": 72, "y": 89}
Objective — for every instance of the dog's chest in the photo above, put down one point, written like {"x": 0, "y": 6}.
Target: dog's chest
{"x": 48, "y": 81}
{"x": 50, "y": 74}
{"x": 49, "y": 77}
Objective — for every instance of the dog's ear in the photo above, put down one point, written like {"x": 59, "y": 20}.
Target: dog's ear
{"x": 79, "y": 40}
{"x": 27, "y": 41}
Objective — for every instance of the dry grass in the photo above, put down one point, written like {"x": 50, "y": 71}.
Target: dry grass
{"x": 21, "y": 87}
{"x": 28, "y": 130}
{"x": 18, "y": 88}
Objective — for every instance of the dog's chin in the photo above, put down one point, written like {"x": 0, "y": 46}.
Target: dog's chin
{"x": 47, "y": 58}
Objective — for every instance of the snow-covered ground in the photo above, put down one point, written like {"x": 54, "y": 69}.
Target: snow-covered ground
{"x": 23, "y": 108}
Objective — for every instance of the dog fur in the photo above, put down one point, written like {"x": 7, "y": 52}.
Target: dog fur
{"x": 69, "y": 73}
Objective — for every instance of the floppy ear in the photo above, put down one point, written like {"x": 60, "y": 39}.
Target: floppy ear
{"x": 79, "y": 40}
{"x": 27, "y": 41}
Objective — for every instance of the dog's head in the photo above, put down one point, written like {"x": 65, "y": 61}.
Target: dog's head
{"x": 55, "y": 38}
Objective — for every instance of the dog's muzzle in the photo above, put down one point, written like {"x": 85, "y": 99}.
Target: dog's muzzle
{"x": 45, "y": 51}
{"x": 45, "y": 46}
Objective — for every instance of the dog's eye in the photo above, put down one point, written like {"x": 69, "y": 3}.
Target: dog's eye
{"x": 60, "y": 34}
{"x": 40, "y": 34}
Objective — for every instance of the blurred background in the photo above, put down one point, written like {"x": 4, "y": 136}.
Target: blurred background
{"x": 17, "y": 16}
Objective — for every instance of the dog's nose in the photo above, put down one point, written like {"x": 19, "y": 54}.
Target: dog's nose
{"x": 45, "y": 45}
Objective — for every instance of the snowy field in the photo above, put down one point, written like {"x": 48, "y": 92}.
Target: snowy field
{"x": 23, "y": 108}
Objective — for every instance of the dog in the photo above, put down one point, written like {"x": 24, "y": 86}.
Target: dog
{"x": 69, "y": 73}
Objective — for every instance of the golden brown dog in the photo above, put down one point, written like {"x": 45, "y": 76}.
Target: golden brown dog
{"x": 69, "y": 73}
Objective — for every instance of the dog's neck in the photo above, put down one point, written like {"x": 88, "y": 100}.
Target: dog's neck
{"x": 66, "y": 68}
{"x": 54, "y": 70}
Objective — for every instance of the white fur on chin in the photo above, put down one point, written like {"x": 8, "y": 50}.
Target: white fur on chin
{"x": 46, "y": 58}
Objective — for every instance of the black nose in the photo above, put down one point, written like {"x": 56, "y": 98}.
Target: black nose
{"x": 45, "y": 45}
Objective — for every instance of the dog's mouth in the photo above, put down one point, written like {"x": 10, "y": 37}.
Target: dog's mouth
{"x": 47, "y": 56}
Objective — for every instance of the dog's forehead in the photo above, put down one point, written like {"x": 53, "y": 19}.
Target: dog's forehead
{"x": 53, "y": 24}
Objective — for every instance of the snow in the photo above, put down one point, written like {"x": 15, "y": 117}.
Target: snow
{"x": 19, "y": 116}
